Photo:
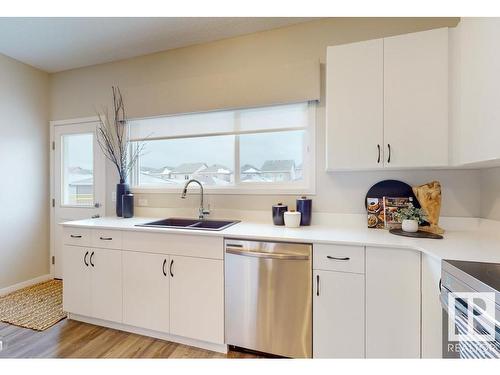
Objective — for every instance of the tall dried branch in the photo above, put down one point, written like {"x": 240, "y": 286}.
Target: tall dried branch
{"x": 112, "y": 137}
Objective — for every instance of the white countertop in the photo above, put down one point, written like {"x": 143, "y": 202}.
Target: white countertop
{"x": 465, "y": 239}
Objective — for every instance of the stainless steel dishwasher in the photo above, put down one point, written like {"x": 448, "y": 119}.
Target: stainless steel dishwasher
{"x": 268, "y": 306}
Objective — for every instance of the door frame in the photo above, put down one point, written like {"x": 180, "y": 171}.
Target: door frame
{"x": 52, "y": 125}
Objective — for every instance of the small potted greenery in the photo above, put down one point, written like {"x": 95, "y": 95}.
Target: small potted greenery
{"x": 410, "y": 217}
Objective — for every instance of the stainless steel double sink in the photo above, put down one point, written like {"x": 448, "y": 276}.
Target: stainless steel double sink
{"x": 196, "y": 224}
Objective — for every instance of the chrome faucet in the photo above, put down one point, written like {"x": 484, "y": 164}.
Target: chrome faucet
{"x": 201, "y": 210}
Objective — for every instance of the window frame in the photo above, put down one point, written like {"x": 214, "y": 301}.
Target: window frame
{"x": 306, "y": 186}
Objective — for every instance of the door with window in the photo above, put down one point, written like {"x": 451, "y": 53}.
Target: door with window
{"x": 78, "y": 176}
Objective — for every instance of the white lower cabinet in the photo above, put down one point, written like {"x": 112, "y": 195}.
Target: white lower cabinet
{"x": 143, "y": 284}
{"x": 93, "y": 282}
{"x": 183, "y": 296}
{"x": 76, "y": 274}
{"x": 146, "y": 290}
{"x": 339, "y": 315}
{"x": 432, "y": 324}
{"x": 197, "y": 298}
{"x": 367, "y": 302}
{"x": 392, "y": 303}
{"x": 106, "y": 284}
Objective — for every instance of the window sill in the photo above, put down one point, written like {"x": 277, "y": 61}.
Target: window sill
{"x": 253, "y": 190}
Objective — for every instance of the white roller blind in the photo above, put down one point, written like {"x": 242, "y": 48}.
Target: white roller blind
{"x": 253, "y": 120}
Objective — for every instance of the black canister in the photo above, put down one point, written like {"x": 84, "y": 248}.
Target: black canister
{"x": 278, "y": 214}
{"x": 128, "y": 205}
{"x": 304, "y": 206}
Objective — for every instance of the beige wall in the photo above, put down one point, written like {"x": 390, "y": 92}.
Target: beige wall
{"x": 79, "y": 92}
{"x": 490, "y": 193}
{"x": 344, "y": 193}
{"x": 24, "y": 157}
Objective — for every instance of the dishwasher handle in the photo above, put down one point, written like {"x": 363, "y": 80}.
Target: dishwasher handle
{"x": 261, "y": 254}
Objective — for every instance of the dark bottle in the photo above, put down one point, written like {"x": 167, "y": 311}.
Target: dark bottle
{"x": 128, "y": 205}
{"x": 278, "y": 214}
{"x": 304, "y": 206}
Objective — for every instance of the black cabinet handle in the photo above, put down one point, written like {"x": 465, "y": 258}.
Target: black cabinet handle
{"x": 439, "y": 285}
{"x": 105, "y": 238}
{"x": 335, "y": 258}
{"x": 389, "y": 147}
{"x": 378, "y": 159}
{"x": 91, "y": 256}
{"x": 163, "y": 268}
{"x": 170, "y": 268}
{"x": 75, "y": 236}
{"x": 317, "y": 285}
{"x": 85, "y": 259}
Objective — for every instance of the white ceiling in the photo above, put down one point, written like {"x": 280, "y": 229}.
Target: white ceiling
{"x": 57, "y": 44}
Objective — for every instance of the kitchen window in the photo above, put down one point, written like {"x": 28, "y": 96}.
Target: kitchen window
{"x": 250, "y": 151}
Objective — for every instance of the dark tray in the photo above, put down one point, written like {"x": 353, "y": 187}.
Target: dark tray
{"x": 419, "y": 234}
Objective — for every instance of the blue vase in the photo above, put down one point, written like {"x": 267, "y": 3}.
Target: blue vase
{"x": 304, "y": 206}
{"x": 121, "y": 189}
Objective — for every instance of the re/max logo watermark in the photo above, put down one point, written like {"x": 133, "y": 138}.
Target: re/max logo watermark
{"x": 483, "y": 347}
{"x": 476, "y": 317}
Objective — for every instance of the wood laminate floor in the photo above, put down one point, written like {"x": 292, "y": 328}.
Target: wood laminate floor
{"x": 72, "y": 339}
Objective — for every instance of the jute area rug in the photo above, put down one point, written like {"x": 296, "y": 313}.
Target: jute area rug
{"x": 37, "y": 307}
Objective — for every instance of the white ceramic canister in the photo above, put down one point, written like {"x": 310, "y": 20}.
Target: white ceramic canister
{"x": 292, "y": 219}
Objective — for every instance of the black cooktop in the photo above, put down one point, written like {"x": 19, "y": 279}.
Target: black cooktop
{"x": 487, "y": 273}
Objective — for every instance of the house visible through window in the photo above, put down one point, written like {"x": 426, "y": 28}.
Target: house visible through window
{"x": 247, "y": 148}
{"x": 78, "y": 170}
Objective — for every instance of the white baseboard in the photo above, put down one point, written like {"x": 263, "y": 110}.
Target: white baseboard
{"x": 24, "y": 284}
{"x": 220, "y": 348}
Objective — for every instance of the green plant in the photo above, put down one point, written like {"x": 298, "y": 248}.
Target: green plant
{"x": 410, "y": 213}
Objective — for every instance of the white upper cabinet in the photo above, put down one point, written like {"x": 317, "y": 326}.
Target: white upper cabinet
{"x": 354, "y": 109}
{"x": 390, "y": 93}
{"x": 416, "y": 99}
{"x": 474, "y": 92}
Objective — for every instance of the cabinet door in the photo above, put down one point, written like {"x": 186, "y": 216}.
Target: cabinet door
{"x": 339, "y": 315}
{"x": 197, "y": 298}
{"x": 354, "y": 106}
{"x": 474, "y": 82}
{"x": 432, "y": 324}
{"x": 392, "y": 303}
{"x": 76, "y": 288}
{"x": 106, "y": 284}
{"x": 146, "y": 290}
{"x": 416, "y": 99}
